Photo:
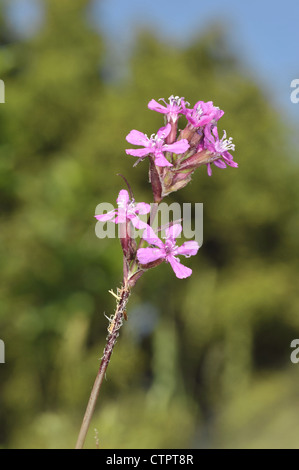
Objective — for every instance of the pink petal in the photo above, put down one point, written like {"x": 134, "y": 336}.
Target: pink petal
{"x": 138, "y": 152}
{"x": 155, "y": 106}
{"x": 160, "y": 160}
{"x": 218, "y": 114}
{"x": 219, "y": 163}
{"x": 123, "y": 198}
{"x": 150, "y": 237}
{"x": 164, "y": 131}
{"x": 209, "y": 169}
{"x": 184, "y": 105}
{"x": 174, "y": 231}
{"x": 229, "y": 159}
{"x": 215, "y": 132}
{"x": 139, "y": 224}
{"x": 137, "y": 138}
{"x": 180, "y": 270}
{"x": 105, "y": 217}
{"x": 201, "y": 104}
{"x": 207, "y": 131}
{"x": 121, "y": 217}
{"x": 204, "y": 120}
{"x": 177, "y": 147}
{"x": 207, "y": 106}
{"x": 189, "y": 248}
{"x": 147, "y": 255}
{"x": 209, "y": 146}
{"x": 142, "y": 208}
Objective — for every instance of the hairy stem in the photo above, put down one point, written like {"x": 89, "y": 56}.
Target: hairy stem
{"x": 115, "y": 324}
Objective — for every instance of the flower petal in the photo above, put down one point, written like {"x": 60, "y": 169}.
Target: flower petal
{"x": 142, "y": 208}
{"x": 217, "y": 114}
{"x": 174, "y": 231}
{"x": 139, "y": 224}
{"x": 160, "y": 160}
{"x": 180, "y": 270}
{"x": 137, "y": 138}
{"x": 209, "y": 169}
{"x": 163, "y": 132}
{"x": 138, "y": 152}
{"x": 204, "y": 120}
{"x": 107, "y": 216}
{"x": 215, "y": 132}
{"x": 123, "y": 198}
{"x": 177, "y": 147}
{"x": 189, "y": 248}
{"x": 219, "y": 163}
{"x": 148, "y": 255}
{"x": 208, "y": 132}
{"x": 121, "y": 217}
{"x": 155, "y": 106}
{"x": 229, "y": 159}
{"x": 150, "y": 237}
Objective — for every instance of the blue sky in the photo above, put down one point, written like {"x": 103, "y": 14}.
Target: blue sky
{"x": 265, "y": 33}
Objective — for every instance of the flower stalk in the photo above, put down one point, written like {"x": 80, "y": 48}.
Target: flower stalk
{"x": 116, "y": 322}
{"x": 173, "y": 156}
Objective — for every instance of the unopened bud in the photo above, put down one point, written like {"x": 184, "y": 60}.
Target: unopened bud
{"x": 153, "y": 264}
{"x": 134, "y": 278}
{"x": 192, "y": 134}
{"x": 196, "y": 160}
{"x": 155, "y": 181}
{"x": 179, "y": 181}
{"x": 128, "y": 243}
{"x": 196, "y": 138}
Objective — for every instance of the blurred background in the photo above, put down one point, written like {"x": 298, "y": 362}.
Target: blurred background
{"x": 202, "y": 362}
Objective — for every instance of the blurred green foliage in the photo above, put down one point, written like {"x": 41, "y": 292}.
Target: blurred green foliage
{"x": 202, "y": 362}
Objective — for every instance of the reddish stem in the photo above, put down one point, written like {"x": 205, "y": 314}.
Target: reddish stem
{"x": 113, "y": 329}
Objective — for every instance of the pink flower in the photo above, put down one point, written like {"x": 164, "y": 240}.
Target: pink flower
{"x": 167, "y": 251}
{"x": 172, "y": 110}
{"x": 203, "y": 113}
{"x": 219, "y": 148}
{"x": 127, "y": 211}
{"x": 155, "y": 145}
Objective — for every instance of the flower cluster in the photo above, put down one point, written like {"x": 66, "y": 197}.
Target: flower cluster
{"x": 173, "y": 156}
{"x": 128, "y": 213}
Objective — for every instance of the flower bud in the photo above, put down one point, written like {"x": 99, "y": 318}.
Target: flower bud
{"x": 193, "y": 135}
{"x": 153, "y": 264}
{"x": 134, "y": 278}
{"x": 178, "y": 181}
{"x": 187, "y": 133}
{"x": 128, "y": 243}
{"x": 196, "y": 160}
{"x": 155, "y": 181}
